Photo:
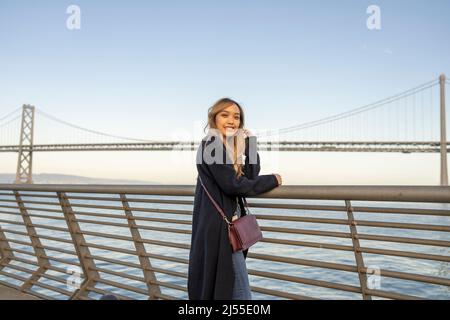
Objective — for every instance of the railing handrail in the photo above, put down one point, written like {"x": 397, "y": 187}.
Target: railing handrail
{"x": 323, "y": 192}
{"x": 26, "y": 226}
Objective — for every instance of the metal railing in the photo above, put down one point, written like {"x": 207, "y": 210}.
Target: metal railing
{"x": 84, "y": 241}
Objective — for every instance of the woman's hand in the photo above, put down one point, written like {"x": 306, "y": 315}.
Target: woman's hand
{"x": 247, "y": 133}
{"x": 278, "y": 178}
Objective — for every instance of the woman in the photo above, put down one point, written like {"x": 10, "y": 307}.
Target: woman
{"x": 215, "y": 272}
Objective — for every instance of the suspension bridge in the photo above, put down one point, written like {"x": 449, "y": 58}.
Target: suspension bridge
{"x": 413, "y": 121}
{"x": 86, "y": 242}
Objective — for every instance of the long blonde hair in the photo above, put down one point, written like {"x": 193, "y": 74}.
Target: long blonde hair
{"x": 239, "y": 144}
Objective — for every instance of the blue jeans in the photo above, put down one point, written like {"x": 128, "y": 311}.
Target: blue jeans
{"x": 241, "y": 289}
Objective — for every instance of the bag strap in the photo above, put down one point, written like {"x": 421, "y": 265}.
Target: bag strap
{"x": 214, "y": 202}
{"x": 246, "y": 205}
{"x": 244, "y": 202}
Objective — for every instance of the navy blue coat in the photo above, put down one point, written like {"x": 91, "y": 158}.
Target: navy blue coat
{"x": 211, "y": 274}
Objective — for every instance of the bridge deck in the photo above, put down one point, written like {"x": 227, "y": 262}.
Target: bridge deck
{"x": 7, "y": 293}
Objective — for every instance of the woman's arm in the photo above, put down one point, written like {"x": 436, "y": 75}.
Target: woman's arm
{"x": 230, "y": 184}
{"x": 225, "y": 176}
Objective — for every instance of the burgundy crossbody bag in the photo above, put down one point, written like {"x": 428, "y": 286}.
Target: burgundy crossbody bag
{"x": 244, "y": 231}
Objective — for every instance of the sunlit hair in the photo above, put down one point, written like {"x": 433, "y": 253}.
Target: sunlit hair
{"x": 238, "y": 141}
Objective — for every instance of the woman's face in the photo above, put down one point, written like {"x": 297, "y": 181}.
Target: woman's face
{"x": 228, "y": 120}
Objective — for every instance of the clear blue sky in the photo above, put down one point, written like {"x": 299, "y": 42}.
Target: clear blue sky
{"x": 137, "y": 68}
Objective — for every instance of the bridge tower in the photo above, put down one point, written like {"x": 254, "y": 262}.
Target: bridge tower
{"x": 25, "y": 161}
{"x": 444, "y": 173}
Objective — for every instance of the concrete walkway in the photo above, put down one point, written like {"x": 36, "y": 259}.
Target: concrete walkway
{"x": 7, "y": 293}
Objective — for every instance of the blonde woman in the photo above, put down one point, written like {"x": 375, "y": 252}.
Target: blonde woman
{"x": 215, "y": 272}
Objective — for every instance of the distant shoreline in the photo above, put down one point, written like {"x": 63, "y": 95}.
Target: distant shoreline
{"x": 55, "y": 178}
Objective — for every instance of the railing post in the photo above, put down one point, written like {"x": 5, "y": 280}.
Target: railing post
{"x": 356, "y": 249}
{"x": 144, "y": 261}
{"x": 444, "y": 173}
{"x": 39, "y": 251}
{"x": 83, "y": 253}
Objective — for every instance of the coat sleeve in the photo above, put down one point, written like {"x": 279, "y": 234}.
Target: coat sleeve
{"x": 251, "y": 168}
{"x": 230, "y": 184}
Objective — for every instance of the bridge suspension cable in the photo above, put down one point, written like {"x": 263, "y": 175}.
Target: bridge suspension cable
{"x": 39, "y": 111}
{"x": 400, "y": 115}
{"x": 9, "y": 126}
{"x": 10, "y": 114}
{"x": 347, "y": 114}
{"x": 9, "y": 121}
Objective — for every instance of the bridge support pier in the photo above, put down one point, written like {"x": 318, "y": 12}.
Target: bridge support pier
{"x": 25, "y": 160}
{"x": 444, "y": 173}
